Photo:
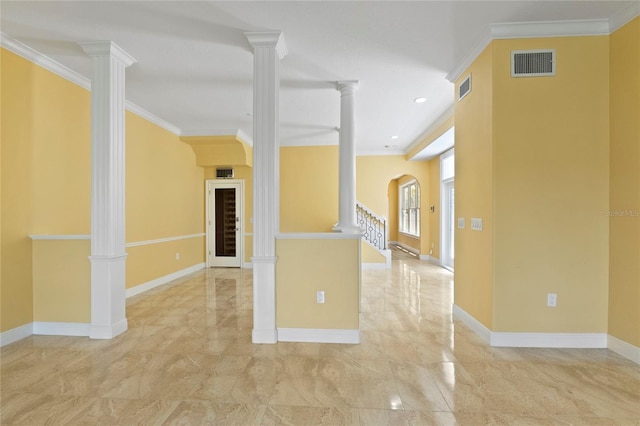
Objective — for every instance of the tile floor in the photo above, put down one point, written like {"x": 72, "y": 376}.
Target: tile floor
{"x": 187, "y": 359}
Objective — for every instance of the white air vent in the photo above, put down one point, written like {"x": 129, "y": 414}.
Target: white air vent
{"x": 533, "y": 63}
{"x": 464, "y": 88}
{"x": 225, "y": 173}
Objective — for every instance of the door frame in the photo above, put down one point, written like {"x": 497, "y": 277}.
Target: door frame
{"x": 210, "y": 186}
{"x": 447, "y": 225}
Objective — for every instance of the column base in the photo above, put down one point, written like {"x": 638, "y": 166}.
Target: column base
{"x": 264, "y": 300}
{"x": 347, "y": 229}
{"x": 108, "y": 332}
{"x": 108, "y": 296}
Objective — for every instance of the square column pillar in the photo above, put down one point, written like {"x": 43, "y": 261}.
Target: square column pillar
{"x": 108, "y": 256}
{"x": 347, "y": 220}
{"x": 268, "y": 48}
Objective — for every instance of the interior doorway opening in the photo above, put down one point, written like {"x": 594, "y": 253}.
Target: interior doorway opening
{"x": 224, "y": 223}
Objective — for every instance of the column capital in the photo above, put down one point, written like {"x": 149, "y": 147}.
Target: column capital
{"x": 274, "y": 39}
{"x": 347, "y": 85}
{"x": 107, "y": 48}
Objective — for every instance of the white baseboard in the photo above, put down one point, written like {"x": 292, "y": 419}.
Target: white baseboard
{"x": 264, "y": 336}
{"x": 61, "y": 328}
{"x": 15, "y": 334}
{"x": 549, "y": 340}
{"x": 408, "y": 248}
{"x": 318, "y": 335}
{"x": 141, "y": 288}
{"x": 475, "y": 325}
{"x": 530, "y": 340}
{"x": 623, "y": 348}
{"x": 108, "y": 331}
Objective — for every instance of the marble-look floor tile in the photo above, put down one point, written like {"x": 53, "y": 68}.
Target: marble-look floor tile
{"x": 188, "y": 358}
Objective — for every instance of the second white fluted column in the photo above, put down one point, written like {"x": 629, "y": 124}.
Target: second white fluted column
{"x": 347, "y": 221}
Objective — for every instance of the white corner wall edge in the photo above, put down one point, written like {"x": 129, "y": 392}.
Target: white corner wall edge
{"x": 15, "y": 334}
{"x": 624, "y": 349}
{"x": 141, "y": 288}
{"x": 318, "y": 335}
{"x": 531, "y": 340}
{"x": 61, "y": 328}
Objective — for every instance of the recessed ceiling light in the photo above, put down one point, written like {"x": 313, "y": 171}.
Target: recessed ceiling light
{"x": 420, "y": 100}
{"x": 395, "y": 137}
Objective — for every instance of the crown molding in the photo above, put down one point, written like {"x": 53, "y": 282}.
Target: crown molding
{"x": 549, "y": 29}
{"x": 57, "y": 68}
{"x": 440, "y": 121}
{"x": 45, "y": 62}
{"x": 143, "y": 113}
{"x": 624, "y": 16}
{"x": 238, "y": 133}
{"x": 476, "y": 50}
{"x": 589, "y": 27}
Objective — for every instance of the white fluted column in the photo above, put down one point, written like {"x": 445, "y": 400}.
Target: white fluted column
{"x": 108, "y": 256}
{"x": 268, "y": 48}
{"x": 347, "y": 220}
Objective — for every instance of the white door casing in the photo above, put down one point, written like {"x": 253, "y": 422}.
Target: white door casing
{"x": 213, "y": 260}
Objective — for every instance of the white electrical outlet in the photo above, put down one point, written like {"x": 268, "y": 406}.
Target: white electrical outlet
{"x": 320, "y": 296}
{"x": 552, "y": 299}
{"x": 177, "y": 256}
{"x": 461, "y": 223}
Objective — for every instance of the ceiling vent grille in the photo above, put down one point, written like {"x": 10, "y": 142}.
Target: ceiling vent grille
{"x": 224, "y": 173}
{"x": 464, "y": 88}
{"x": 533, "y": 63}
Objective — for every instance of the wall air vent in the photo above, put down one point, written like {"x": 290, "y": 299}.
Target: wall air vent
{"x": 464, "y": 88}
{"x": 533, "y": 63}
{"x": 224, "y": 173}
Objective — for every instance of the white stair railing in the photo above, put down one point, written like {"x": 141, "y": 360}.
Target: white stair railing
{"x": 374, "y": 227}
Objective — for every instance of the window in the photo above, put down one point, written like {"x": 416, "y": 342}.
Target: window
{"x": 410, "y": 208}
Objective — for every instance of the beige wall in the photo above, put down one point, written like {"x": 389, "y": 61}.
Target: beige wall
{"x": 310, "y": 265}
{"x": 434, "y": 200}
{"x": 308, "y": 188}
{"x": 474, "y": 192}
{"x": 46, "y": 182}
{"x": 624, "y": 185}
{"x": 551, "y": 188}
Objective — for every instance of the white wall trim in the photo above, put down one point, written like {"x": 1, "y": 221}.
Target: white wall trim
{"x": 61, "y": 328}
{"x": 141, "y": 288}
{"x": 408, "y": 248}
{"x": 60, "y": 237}
{"x": 164, "y": 240}
{"x": 530, "y": 340}
{"x": 549, "y": 340}
{"x": 475, "y": 325}
{"x": 319, "y": 236}
{"x": 623, "y": 348}
{"x": 238, "y": 133}
{"x": 318, "y": 335}
{"x": 247, "y": 265}
{"x": 544, "y": 29}
{"x": 15, "y": 334}
{"x": 57, "y": 68}
{"x": 539, "y": 29}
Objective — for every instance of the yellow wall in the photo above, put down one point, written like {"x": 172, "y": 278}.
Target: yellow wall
{"x": 370, "y": 254}
{"x": 373, "y": 175}
{"x": 308, "y": 188}
{"x": 474, "y": 192}
{"x": 406, "y": 239}
{"x": 62, "y": 281}
{"x": 310, "y": 265}
{"x": 45, "y": 189}
{"x": 164, "y": 198}
{"x": 551, "y": 188}
{"x": 392, "y": 196}
{"x": 624, "y": 186}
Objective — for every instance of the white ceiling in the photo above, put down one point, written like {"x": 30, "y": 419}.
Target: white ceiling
{"x": 194, "y": 64}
